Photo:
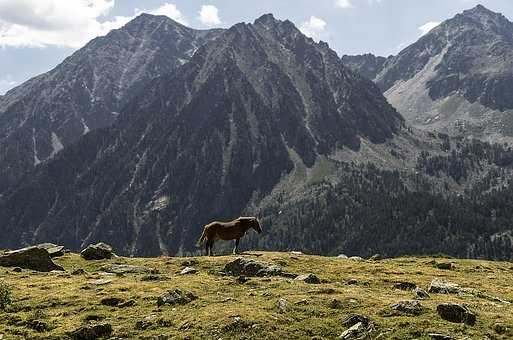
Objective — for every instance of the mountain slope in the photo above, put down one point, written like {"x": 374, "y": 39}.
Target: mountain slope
{"x": 87, "y": 91}
{"x": 201, "y": 144}
{"x": 368, "y": 65}
{"x": 457, "y": 78}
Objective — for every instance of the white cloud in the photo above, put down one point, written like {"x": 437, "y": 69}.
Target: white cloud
{"x": 314, "y": 28}
{"x": 428, "y": 26}
{"x": 71, "y": 23}
{"x": 209, "y": 15}
{"x": 343, "y": 3}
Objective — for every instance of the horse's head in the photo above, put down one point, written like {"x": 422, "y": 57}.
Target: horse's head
{"x": 256, "y": 225}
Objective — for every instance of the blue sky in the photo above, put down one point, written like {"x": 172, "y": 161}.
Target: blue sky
{"x": 36, "y": 35}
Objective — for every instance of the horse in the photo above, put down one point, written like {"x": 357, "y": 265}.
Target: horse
{"x": 233, "y": 230}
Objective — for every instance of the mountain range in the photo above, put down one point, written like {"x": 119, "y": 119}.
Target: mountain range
{"x": 456, "y": 79}
{"x": 258, "y": 120}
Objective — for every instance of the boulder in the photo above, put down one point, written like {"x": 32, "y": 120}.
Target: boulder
{"x": 99, "y": 251}
{"x": 248, "y": 267}
{"x": 456, "y": 313}
{"x": 308, "y": 278}
{"x": 188, "y": 270}
{"x": 406, "y": 307}
{"x": 34, "y": 258}
{"x": 404, "y": 285}
{"x": 52, "y": 249}
{"x": 176, "y": 297}
{"x": 420, "y": 294}
{"x": 92, "y": 332}
{"x": 282, "y": 305}
{"x": 354, "y": 332}
{"x": 126, "y": 269}
{"x": 443, "y": 287}
{"x": 444, "y": 265}
{"x": 357, "y": 258}
{"x": 342, "y": 256}
{"x": 352, "y": 319}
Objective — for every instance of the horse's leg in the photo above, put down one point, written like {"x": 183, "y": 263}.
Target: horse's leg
{"x": 212, "y": 248}
{"x": 236, "y": 249}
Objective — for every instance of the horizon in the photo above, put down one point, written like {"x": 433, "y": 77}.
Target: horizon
{"x": 29, "y": 47}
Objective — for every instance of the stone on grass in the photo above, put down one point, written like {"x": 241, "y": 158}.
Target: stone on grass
{"x": 404, "y": 285}
{"x": 248, "y": 267}
{"x": 52, "y": 249}
{"x": 456, "y": 313}
{"x": 405, "y": 307}
{"x": 126, "y": 269}
{"x": 420, "y": 294}
{"x": 376, "y": 257}
{"x": 444, "y": 265}
{"x": 354, "y": 332}
{"x": 99, "y": 251}
{"x": 342, "y": 256}
{"x": 92, "y": 332}
{"x": 308, "y": 278}
{"x": 33, "y": 258}
{"x": 111, "y": 301}
{"x": 175, "y": 297}
{"x": 353, "y": 319}
{"x": 442, "y": 287}
{"x": 357, "y": 258}
{"x": 282, "y": 305}
{"x": 188, "y": 270}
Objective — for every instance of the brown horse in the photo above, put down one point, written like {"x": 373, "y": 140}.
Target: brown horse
{"x": 233, "y": 230}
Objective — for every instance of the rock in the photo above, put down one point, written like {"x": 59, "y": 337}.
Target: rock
{"x": 335, "y": 304}
{"x": 354, "y": 332}
{"x": 376, "y": 257}
{"x": 420, "y": 294}
{"x": 282, "y": 305}
{"x": 443, "y": 287}
{"x": 357, "y": 258}
{"x": 17, "y": 270}
{"x": 406, "y": 307}
{"x": 92, "y": 332}
{"x": 242, "y": 279}
{"x": 143, "y": 325}
{"x": 52, "y": 249}
{"x": 111, "y": 301}
{"x": 248, "y": 267}
{"x": 342, "y": 256}
{"x": 456, "y": 313}
{"x": 436, "y": 336}
{"x": 99, "y": 251}
{"x": 308, "y": 278}
{"x": 296, "y": 253}
{"x": 353, "y": 319}
{"x": 29, "y": 258}
{"x": 175, "y": 297}
{"x": 188, "y": 270}
{"x": 101, "y": 282}
{"x": 404, "y": 285}
{"x": 444, "y": 265}
{"x": 126, "y": 269}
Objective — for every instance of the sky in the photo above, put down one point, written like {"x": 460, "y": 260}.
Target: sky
{"x": 36, "y": 35}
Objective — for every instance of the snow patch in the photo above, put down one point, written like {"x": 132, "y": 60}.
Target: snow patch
{"x": 56, "y": 145}
{"x": 86, "y": 128}
{"x": 36, "y": 159}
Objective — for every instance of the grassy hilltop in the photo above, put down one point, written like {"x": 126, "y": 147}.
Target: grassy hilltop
{"x": 53, "y": 305}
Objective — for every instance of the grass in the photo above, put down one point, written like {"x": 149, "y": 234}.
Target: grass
{"x": 62, "y": 302}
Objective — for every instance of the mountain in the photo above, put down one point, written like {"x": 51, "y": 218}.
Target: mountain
{"x": 457, "y": 78}
{"x": 368, "y": 65}
{"x": 204, "y": 142}
{"x": 88, "y": 90}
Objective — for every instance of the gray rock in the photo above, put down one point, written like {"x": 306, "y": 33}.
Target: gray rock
{"x": 176, "y": 297}
{"x": 404, "y": 285}
{"x": 437, "y": 336}
{"x": 406, "y": 307}
{"x": 188, "y": 270}
{"x": 443, "y": 287}
{"x": 126, "y": 269}
{"x": 29, "y": 258}
{"x": 92, "y": 332}
{"x": 353, "y": 319}
{"x": 52, "y": 249}
{"x": 357, "y": 258}
{"x": 308, "y": 278}
{"x": 248, "y": 267}
{"x": 112, "y": 301}
{"x": 99, "y": 251}
{"x": 342, "y": 256}
{"x": 376, "y": 257}
{"x": 420, "y": 294}
{"x": 282, "y": 305}
{"x": 456, "y": 313}
{"x": 354, "y": 332}
{"x": 17, "y": 269}
{"x": 444, "y": 265}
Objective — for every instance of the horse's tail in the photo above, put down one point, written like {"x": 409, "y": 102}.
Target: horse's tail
{"x": 202, "y": 238}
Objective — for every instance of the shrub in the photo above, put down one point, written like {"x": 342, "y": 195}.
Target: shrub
{"x": 5, "y": 295}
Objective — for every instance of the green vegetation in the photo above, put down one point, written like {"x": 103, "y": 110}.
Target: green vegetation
{"x": 52, "y": 305}
{"x": 5, "y": 295}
